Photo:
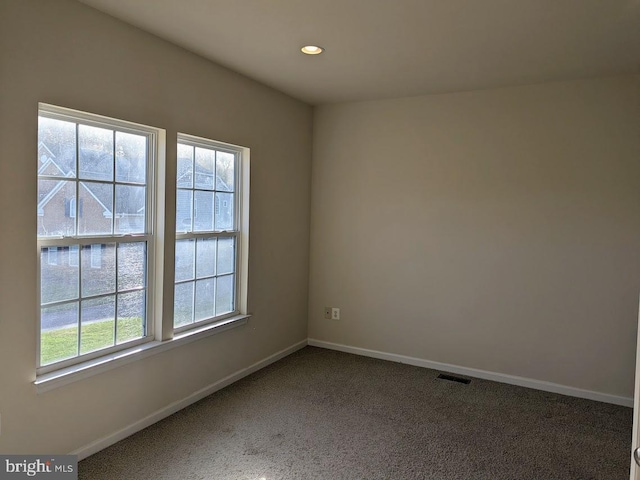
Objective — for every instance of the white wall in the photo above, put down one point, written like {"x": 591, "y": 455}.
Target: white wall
{"x": 498, "y": 230}
{"x": 67, "y": 54}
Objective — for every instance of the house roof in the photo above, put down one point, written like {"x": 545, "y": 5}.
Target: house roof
{"x": 91, "y": 161}
{"x": 49, "y": 162}
{"x": 203, "y": 171}
{"x": 42, "y": 145}
{"x": 46, "y": 199}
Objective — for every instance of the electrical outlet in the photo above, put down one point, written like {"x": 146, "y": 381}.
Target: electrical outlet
{"x": 335, "y": 314}
{"x": 327, "y": 313}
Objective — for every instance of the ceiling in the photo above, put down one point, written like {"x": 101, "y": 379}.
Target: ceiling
{"x": 394, "y": 48}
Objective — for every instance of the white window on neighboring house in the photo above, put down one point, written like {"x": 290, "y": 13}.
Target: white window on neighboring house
{"x": 209, "y": 239}
{"x": 104, "y": 204}
{"x": 52, "y": 255}
{"x": 74, "y": 252}
{"x": 96, "y": 256}
{"x": 72, "y": 207}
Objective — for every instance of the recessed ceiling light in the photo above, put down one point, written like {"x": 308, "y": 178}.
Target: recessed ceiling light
{"x": 312, "y": 50}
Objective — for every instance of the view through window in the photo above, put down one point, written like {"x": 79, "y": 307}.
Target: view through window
{"x": 207, "y": 233}
{"x": 98, "y": 200}
{"x": 94, "y": 231}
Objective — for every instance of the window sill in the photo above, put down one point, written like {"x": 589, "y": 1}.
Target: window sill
{"x": 65, "y": 376}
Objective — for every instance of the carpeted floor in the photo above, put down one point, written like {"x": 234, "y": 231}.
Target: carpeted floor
{"x": 320, "y": 414}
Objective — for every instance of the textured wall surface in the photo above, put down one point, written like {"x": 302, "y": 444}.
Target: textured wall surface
{"x": 68, "y": 54}
{"x": 498, "y": 230}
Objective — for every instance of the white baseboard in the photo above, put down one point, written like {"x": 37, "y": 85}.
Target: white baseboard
{"x": 158, "y": 415}
{"x": 473, "y": 372}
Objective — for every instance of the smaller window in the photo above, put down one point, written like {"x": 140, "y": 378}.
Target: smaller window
{"x": 96, "y": 256}
{"x": 52, "y": 257}
{"x": 74, "y": 255}
{"x": 209, "y": 277}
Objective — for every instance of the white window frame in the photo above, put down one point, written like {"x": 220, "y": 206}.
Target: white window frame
{"x": 154, "y": 224}
{"x": 161, "y": 334}
{"x": 240, "y": 227}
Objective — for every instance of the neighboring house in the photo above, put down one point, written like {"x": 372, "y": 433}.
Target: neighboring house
{"x": 57, "y": 208}
{"x": 203, "y": 207}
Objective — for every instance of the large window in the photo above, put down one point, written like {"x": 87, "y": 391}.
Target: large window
{"x": 207, "y": 232}
{"x": 104, "y": 281}
{"x": 95, "y": 235}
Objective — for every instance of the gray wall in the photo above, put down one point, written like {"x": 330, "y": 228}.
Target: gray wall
{"x": 498, "y": 230}
{"x": 67, "y": 54}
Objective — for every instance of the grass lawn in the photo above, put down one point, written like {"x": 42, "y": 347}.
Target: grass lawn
{"x": 62, "y": 343}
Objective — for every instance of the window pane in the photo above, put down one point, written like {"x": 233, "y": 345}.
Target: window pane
{"x": 224, "y": 211}
{"x": 56, "y": 147}
{"x": 59, "y": 333}
{"x": 131, "y": 316}
{"x": 95, "y": 208}
{"x": 205, "y": 168}
{"x": 131, "y": 265}
{"x": 58, "y": 279}
{"x": 226, "y": 256}
{"x": 97, "y": 317}
{"x": 224, "y": 294}
{"x": 205, "y": 298}
{"x": 130, "y": 209}
{"x": 96, "y": 153}
{"x": 183, "y": 304}
{"x": 55, "y": 199}
{"x": 185, "y": 166}
{"x": 131, "y": 158}
{"x": 225, "y": 171}
{"x": 98, "y": 269}
{"x": 183, "y": 211}
{"x": 185, "y": 250}
{"x": 206, "y": 257}
{"x": 203, "y": 221}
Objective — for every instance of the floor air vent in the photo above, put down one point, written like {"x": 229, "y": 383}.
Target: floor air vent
{"x": 453, "y": 378}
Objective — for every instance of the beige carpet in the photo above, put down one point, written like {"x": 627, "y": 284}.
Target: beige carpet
{"x": 319, "y": 414}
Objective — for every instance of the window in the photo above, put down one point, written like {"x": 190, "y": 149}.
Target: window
{"x": 101, "y": 263}
{"x": 70, "y": 209}
{"x": 99, "y": 300}
{"x": 96, "y": 256}
{"x": 207, "y": 232}
{"x": 73, "y": 256}
{"x": 52, "y": 256}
